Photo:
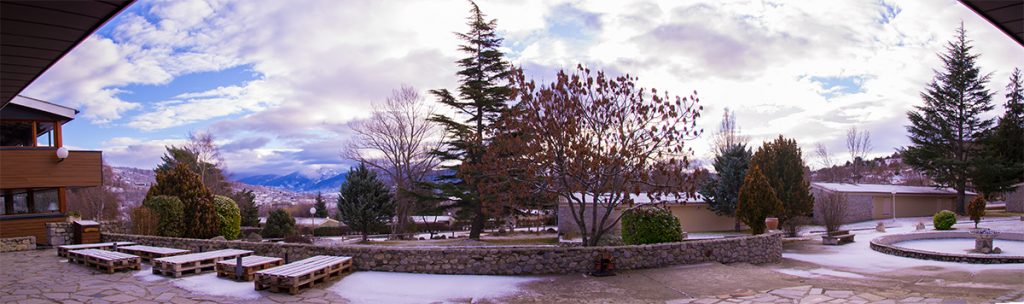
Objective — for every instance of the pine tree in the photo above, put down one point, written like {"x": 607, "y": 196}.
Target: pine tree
{"x": 246, "y": 201}
{"x": 944, "y": 131}
{"x": 483, "y": 94}
{"x": 279, "y": 224}
{"x": 722, "y": 191}
{"x": 782, "y": 163}
{"x": 364, "y": 201}
{"x": 200, "y": 216}
{"x": 321, "y": 205}
{"x": 756, "y": 201}
{"x": 1000, "y": 165}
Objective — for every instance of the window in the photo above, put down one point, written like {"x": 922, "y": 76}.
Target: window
{"x": 29, "y": 201}
{"x": 44, "y": 134}
{"x": 16, "y": 134}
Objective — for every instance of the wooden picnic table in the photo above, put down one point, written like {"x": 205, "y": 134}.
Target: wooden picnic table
{"x": 194, "y": 262}
{"x": 148, "y": 253}
{"x": 105, "y": 260}
{"x": 246, "y": 270}
{"x": 302, "y": 274}
{"x": 62, "y": 251}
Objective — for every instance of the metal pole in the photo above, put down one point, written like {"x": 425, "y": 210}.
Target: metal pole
{"x": 238, "y": 268}
{"x": 894, "y": 207}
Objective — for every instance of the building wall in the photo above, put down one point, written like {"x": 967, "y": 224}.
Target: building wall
{"x": 1015, "y": 200}
{"x": 692, "y": 218}
{"x": 490, "y": 260}
{"x": 876, "y": 206}
{"x": 859, "y": 208}
{"x": 33, "y": 226}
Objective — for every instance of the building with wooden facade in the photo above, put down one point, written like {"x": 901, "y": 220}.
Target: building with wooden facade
{"x": 36, "y": 170}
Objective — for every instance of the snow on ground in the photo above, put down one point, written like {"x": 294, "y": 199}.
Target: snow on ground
{"x": 815, "y": 273}
{"x": 210, "y": 284}
{"x": 859, "y": 257}
{"x": 393, "y": 287}
{"x": 961, "y": 246}
{"x": 147, "y": 275}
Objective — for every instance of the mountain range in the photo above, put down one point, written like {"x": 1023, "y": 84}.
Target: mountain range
{"x": 326, "y": 181}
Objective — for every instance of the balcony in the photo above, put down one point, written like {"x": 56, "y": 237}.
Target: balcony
{"x": 40, "y": 168}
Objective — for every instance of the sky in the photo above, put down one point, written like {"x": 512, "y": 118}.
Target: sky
{"x": 279, "y": 83}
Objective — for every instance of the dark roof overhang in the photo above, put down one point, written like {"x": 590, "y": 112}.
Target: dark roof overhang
{"x": 36, "y": 34}
{"x": 1007, "y": 15}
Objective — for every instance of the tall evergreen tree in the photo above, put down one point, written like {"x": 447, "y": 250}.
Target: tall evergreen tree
{"x": 722, "y": 190}
{"x": 321, "y": 205}
{"x": 1001, "y": 163}
{"x": 782, "y": 163}
{"x": 246, "y": 201}
{"x": 482, "y": 97}
{"x": 364, "y": 201}
{"x": 945, "y": 130}
{"x": 756, "y": 201}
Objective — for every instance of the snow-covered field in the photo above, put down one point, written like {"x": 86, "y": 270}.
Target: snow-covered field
{"x": 961, "y": 246}
{"x": 859, "y": 257}
{"x": 390, "y": 287}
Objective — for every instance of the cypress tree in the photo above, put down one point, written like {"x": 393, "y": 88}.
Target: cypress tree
{"x": 756, "y": 200}
{"x": 482, "y": 96}
{"x": 199, "y": 216}
{"x": 944, "y": 131}
{"x": 364, "y": 201}
{"x": 782, "y": 164}
{"x": 722, "y": 191}
{"x": 246, "y": 201}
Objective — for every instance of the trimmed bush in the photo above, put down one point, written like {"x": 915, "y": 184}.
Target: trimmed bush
{"x": 650, "y": 225}
{"x": 170, "y": 212}
{"x": 976, "y": 209}
{"x": 279, "y": 224}
{"x": 944, "y": 220}
{"x": 230, "y": 217}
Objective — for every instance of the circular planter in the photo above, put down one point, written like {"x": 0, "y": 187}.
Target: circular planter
{"x": 889, "y": 244}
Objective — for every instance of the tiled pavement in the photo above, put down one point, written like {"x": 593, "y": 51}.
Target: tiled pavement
{"x": 810, "y": 295}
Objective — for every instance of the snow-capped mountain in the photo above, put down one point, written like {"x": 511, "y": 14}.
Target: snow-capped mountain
{"x": 323, "y": 180}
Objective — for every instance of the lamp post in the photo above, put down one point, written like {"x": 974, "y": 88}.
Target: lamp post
{"x": 312, "y": 218}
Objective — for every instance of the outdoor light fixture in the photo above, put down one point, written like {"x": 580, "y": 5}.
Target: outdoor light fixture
{"x": 62, "y": 153}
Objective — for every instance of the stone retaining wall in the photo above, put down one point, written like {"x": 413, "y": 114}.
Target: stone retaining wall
{"x": 522, "y": 260}
{"x": 18, "y": 244}
{"x": 59, "y": 233}
{"x": 889, "y": 244}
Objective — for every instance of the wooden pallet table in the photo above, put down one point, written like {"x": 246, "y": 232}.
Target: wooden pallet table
{"x": 198, "y": 262}
{"x": 302, "y": 274}
{"x": 62, "y": 251}
{"x": 148, "y": 253}
{"x": 249, "y": 266}
{"x": 105, "y": 260}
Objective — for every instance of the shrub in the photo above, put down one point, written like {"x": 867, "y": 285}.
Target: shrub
{"x": 144, "y": 221}
{"x": 781, "y": 162}
{"x": 792, "y": 226}
{"x": 832, "y": 207}
{"x": 757, "y": 200}
{"x": 279, "y": 224}
{"x": 229, "y": 215}
{"x": 944, "y": 220}
{"x": 170, "y": 212}
{"x": 650, "y": 225}
{"x": 976, "y": 209}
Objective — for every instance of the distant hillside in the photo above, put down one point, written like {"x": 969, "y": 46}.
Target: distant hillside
{"x": 888, "y": 170}
{"x": 131, "y": 185}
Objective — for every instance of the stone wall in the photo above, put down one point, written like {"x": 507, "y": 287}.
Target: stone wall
{"x": 18, "y": 244}
{"x": 59, "y": 233}
{"x": 523, "y": 260}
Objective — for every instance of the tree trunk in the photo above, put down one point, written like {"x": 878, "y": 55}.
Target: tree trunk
{"x": 961, "y": 198}
{"x": 478, "y": 223}
{"x": 737, "y": 224}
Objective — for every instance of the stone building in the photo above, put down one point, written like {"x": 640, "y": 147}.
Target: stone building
{"x": 874, "y": 202}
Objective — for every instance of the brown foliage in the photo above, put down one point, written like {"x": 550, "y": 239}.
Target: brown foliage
{"x": 757, "y": 200}
{"x": 592, "y": 140}
{"x": 99, "y": 202}
{"x": 144, "y": 221}
{"x": 976, "y": 209}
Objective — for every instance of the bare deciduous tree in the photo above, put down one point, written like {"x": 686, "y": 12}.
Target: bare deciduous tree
{"x": 98, "y": 203}
{"x": 207, "y": 154}
{"x": 596, "y": 140}
{"x": 397, "y": 140}
{"x": 728, "y": 134}
{"x": 832, "y": 207}
{"x": 826, "y": 161}
{"x": 858, "y": 143}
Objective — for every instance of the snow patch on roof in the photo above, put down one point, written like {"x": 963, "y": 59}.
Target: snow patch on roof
{"x": 876, "y": 188}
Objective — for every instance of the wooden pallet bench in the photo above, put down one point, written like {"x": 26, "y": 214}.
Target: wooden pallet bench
{"x": 62, "y": 251}
{"x": 249, "y": 266}
{"x": 198, "y": 262}
{"x": 148, "y": 253}
{"x": 105, "y": 260}
{"x": 302, "y": 274}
